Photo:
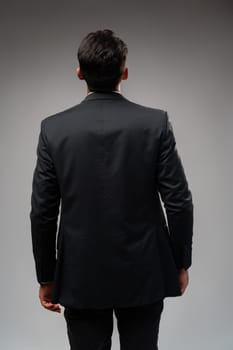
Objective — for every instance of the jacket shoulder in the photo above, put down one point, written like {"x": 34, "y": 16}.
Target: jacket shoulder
{"x": 146, "y": 108}
{"x": 59, "y": 114}
{"x": 153, "y": 114}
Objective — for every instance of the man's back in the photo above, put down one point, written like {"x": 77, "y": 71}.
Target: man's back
{"x": 108, "y": 159}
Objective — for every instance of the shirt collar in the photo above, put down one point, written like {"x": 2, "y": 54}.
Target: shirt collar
{"x": 91, "y": 92}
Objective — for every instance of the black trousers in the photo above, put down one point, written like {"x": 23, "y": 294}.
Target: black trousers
{"x": 91, "y": 329}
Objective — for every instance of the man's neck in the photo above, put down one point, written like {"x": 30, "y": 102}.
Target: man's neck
{"x": 116, "y": 90}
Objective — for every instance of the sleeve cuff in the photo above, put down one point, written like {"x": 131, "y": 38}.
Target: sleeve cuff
{"x": 48, "y": 282}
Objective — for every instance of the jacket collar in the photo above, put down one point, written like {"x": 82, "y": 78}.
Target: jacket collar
{"x": 111, "y": 95}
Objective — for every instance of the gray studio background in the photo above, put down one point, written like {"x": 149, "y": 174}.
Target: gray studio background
{"x": 180, "y": 59}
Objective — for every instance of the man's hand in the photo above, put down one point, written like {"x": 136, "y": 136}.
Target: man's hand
{"x": 45, "y": 294}
{"x": 183, "y": 279}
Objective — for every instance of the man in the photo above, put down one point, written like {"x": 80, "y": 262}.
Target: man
{"x": 110, "y": 163}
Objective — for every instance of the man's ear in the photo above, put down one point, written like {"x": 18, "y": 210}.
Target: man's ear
{"x": 125, "y": 74}
{"x": 79, "y": 73}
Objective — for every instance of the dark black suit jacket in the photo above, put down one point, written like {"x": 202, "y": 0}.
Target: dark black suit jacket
{"x": 106, "y": 160}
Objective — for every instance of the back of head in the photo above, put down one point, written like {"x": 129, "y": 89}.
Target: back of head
{"x": 102, "y": 56}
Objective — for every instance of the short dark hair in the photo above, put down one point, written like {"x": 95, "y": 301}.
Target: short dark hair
{"x": 102, "y": 56}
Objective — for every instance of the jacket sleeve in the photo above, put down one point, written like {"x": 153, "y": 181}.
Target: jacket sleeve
{"x": 176, "y": 196}
{"x": 45, "y": 202}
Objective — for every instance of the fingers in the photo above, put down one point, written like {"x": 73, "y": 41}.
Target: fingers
{"x": 50, "y": 306}
{"x": 183, "y": 286}
{"x": 182, "y": 289}
{"x": 183, "y": 279}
